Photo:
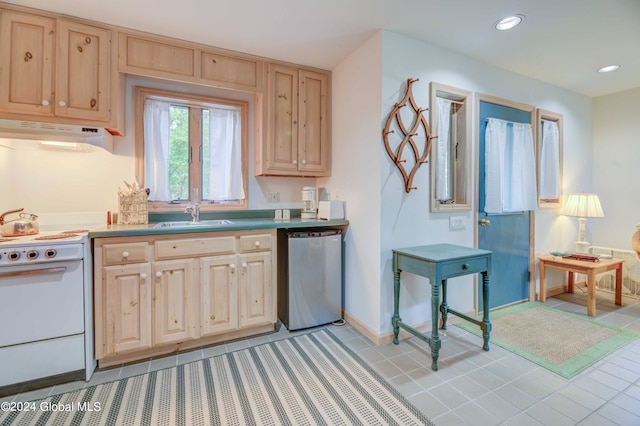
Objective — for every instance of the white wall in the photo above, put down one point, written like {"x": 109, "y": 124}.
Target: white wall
{"x": 355, "y": 177}
{"x": 47, "y": 181}
{"x": 616, "y": 167}
{"x": 405, "y": 219}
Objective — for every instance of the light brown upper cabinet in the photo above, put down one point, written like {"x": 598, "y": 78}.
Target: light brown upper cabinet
{"x": 156, "y": 56}
{"x": 55, "y": 68}
{"x": 450, "y": 158}
{"x": 549, "y": 152}
{"x": 297, "y": 141}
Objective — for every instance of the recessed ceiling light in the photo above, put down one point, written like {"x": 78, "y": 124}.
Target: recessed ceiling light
{"x": 508, "y": 22}
{"x": 609, "y": 68}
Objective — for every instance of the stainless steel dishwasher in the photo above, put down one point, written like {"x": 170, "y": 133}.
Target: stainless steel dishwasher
{"x": 310, "y": 278}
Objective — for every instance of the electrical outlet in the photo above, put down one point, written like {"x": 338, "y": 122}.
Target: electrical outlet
{"x": 273, "y": 197}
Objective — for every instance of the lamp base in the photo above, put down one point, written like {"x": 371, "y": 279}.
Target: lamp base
{"x": 582, "y": 246}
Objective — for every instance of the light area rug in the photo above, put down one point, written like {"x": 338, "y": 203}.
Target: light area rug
{"x": 559, "y": 341}
{"x": 310, "y": 379}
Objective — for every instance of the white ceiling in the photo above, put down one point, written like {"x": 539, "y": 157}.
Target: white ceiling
{"x": 561, "y": 42}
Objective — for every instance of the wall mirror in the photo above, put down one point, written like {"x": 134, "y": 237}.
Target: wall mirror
{"x": 549, "y": 153}
{"x": 450, "y": 117}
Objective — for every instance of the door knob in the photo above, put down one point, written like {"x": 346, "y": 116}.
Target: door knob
{"x": 485, "y": 222}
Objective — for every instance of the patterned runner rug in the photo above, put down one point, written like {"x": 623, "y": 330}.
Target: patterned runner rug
{"x": 562, "y": 342}
{"x": 310, "y": 379}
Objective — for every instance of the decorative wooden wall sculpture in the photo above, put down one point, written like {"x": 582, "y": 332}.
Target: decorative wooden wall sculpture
{"x": 410, "y": 136}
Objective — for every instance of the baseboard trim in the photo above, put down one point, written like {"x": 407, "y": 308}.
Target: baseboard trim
{"x": 386, "y": 338}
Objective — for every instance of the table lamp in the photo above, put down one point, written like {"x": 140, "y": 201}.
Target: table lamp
{"x": 582, "y": 206}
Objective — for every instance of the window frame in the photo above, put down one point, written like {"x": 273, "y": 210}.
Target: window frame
{"x": 195, "y": 143}
{"x": 461, "y": 162}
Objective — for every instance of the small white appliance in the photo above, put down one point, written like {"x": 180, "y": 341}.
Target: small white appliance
{"x": 330, "y": 210}
{"x": 309, "y": 199}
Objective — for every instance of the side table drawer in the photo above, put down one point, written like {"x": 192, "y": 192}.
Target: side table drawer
{"x": 464, "y": 267}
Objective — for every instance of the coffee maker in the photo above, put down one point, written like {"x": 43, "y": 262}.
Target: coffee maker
{"x": 309, "y": 199}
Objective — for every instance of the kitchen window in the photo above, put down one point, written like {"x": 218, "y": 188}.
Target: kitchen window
{"x": 191, "y": 148}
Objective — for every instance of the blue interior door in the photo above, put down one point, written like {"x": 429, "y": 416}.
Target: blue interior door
{"x": 506, "y": 235}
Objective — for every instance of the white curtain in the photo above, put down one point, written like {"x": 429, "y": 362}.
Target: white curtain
{"x": 510, "y": 172}
{"x": 156, "y": 148}
{"x": 550, "y": 161}
{"x": 443, "y": 150}
{"x": 225, "y": 155}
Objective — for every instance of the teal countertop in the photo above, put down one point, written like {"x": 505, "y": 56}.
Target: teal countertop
{"x": 238, "y": 224}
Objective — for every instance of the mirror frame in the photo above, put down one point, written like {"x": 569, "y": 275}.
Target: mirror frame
{"x": 462, "y": 168}
{"x": 542, "y": 114}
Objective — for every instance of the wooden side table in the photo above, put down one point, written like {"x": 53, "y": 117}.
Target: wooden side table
{"x": 440, "y": 262}
{"x": 590, "y": 269}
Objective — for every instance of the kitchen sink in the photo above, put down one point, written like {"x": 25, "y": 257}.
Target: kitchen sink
{"x": 189, "y": 224}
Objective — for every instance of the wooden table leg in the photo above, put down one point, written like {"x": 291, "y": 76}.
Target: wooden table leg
{"x": 591, "y": 293}
{"x": 543, "y": 282}
{"x": 619, "y": 284}
{"x": 570, "y": 282}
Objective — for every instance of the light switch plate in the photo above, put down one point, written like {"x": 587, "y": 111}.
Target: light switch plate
{"x": 456, "y": 223}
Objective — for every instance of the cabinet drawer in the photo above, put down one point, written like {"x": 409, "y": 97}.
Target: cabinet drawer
{"x": 463, "y": 267}
{"x": 168, "y": 249}
{"x": 117, "y": 254}
{"x": 251, "y": 243}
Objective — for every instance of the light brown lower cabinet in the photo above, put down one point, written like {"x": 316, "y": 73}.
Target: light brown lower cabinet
{"x": 160, "y": 294}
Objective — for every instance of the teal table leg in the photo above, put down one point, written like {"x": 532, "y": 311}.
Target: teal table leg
{"x": 396, "y": 304}
{"x": 486, "y": 324}
{"x": 444, "y": 308}
{"x": 434, "y": 342}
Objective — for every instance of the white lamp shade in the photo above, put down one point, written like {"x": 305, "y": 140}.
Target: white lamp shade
{"x": 583, "y": 205}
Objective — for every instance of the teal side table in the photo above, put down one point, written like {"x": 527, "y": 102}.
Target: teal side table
{"x": 439, "y": 262}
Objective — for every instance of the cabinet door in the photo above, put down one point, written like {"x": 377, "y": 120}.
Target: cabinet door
{"x": 313, "y": 147}
{"x": 282, "y": 146}
{"x": 26, "y": 58}
{"x": 218, "y": 294}
{"x": 173, "y": 301}
{"x": 127, "y": 302}
{"x": 83, "y": 71}
{"x": 256, "y": 289}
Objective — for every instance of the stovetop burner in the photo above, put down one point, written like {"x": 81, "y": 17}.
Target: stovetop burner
{"x": 57, "y": 236}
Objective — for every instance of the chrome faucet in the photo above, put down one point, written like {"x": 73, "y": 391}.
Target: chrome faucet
{"x": 193, "y": 208}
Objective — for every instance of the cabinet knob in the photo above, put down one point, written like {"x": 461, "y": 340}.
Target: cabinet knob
{"x": 257, "y": 244}
{"x": 62, "y": 103}
{"x": 143, "y": 276}
{"x": 304, "y": 161}
{"x": 465, "y": 266}
{"x": 295, "y": 161}
{"x": 244, "y": 265}
{"x": 158, "y": 274}
{"x": 232, "y": 266}
{"x": 45, "y": 102}
{"x": 125, "y": 254}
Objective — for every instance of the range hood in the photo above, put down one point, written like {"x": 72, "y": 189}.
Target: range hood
{"x": 19, "y": 129}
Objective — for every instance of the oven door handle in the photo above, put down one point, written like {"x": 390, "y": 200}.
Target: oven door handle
{"x": 33, "y": 272}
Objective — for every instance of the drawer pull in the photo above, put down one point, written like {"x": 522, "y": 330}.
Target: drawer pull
{"x": 257, "y": 243}
{"x": 143, "y": 276}
{"x": 125, "y": 254}
{"x": 465, "y": 266}
{"x": 158, "y": 274}
{"x": 232, "y": 266}
{"x": 244, "y": 265}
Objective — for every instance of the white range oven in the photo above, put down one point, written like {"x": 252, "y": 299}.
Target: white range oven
{"x": 46, "y": 315}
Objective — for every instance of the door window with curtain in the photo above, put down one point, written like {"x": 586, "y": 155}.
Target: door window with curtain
{"x": 191, "y": 148}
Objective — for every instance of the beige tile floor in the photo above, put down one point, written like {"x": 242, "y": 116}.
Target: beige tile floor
{"x": 471, "y": 387}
